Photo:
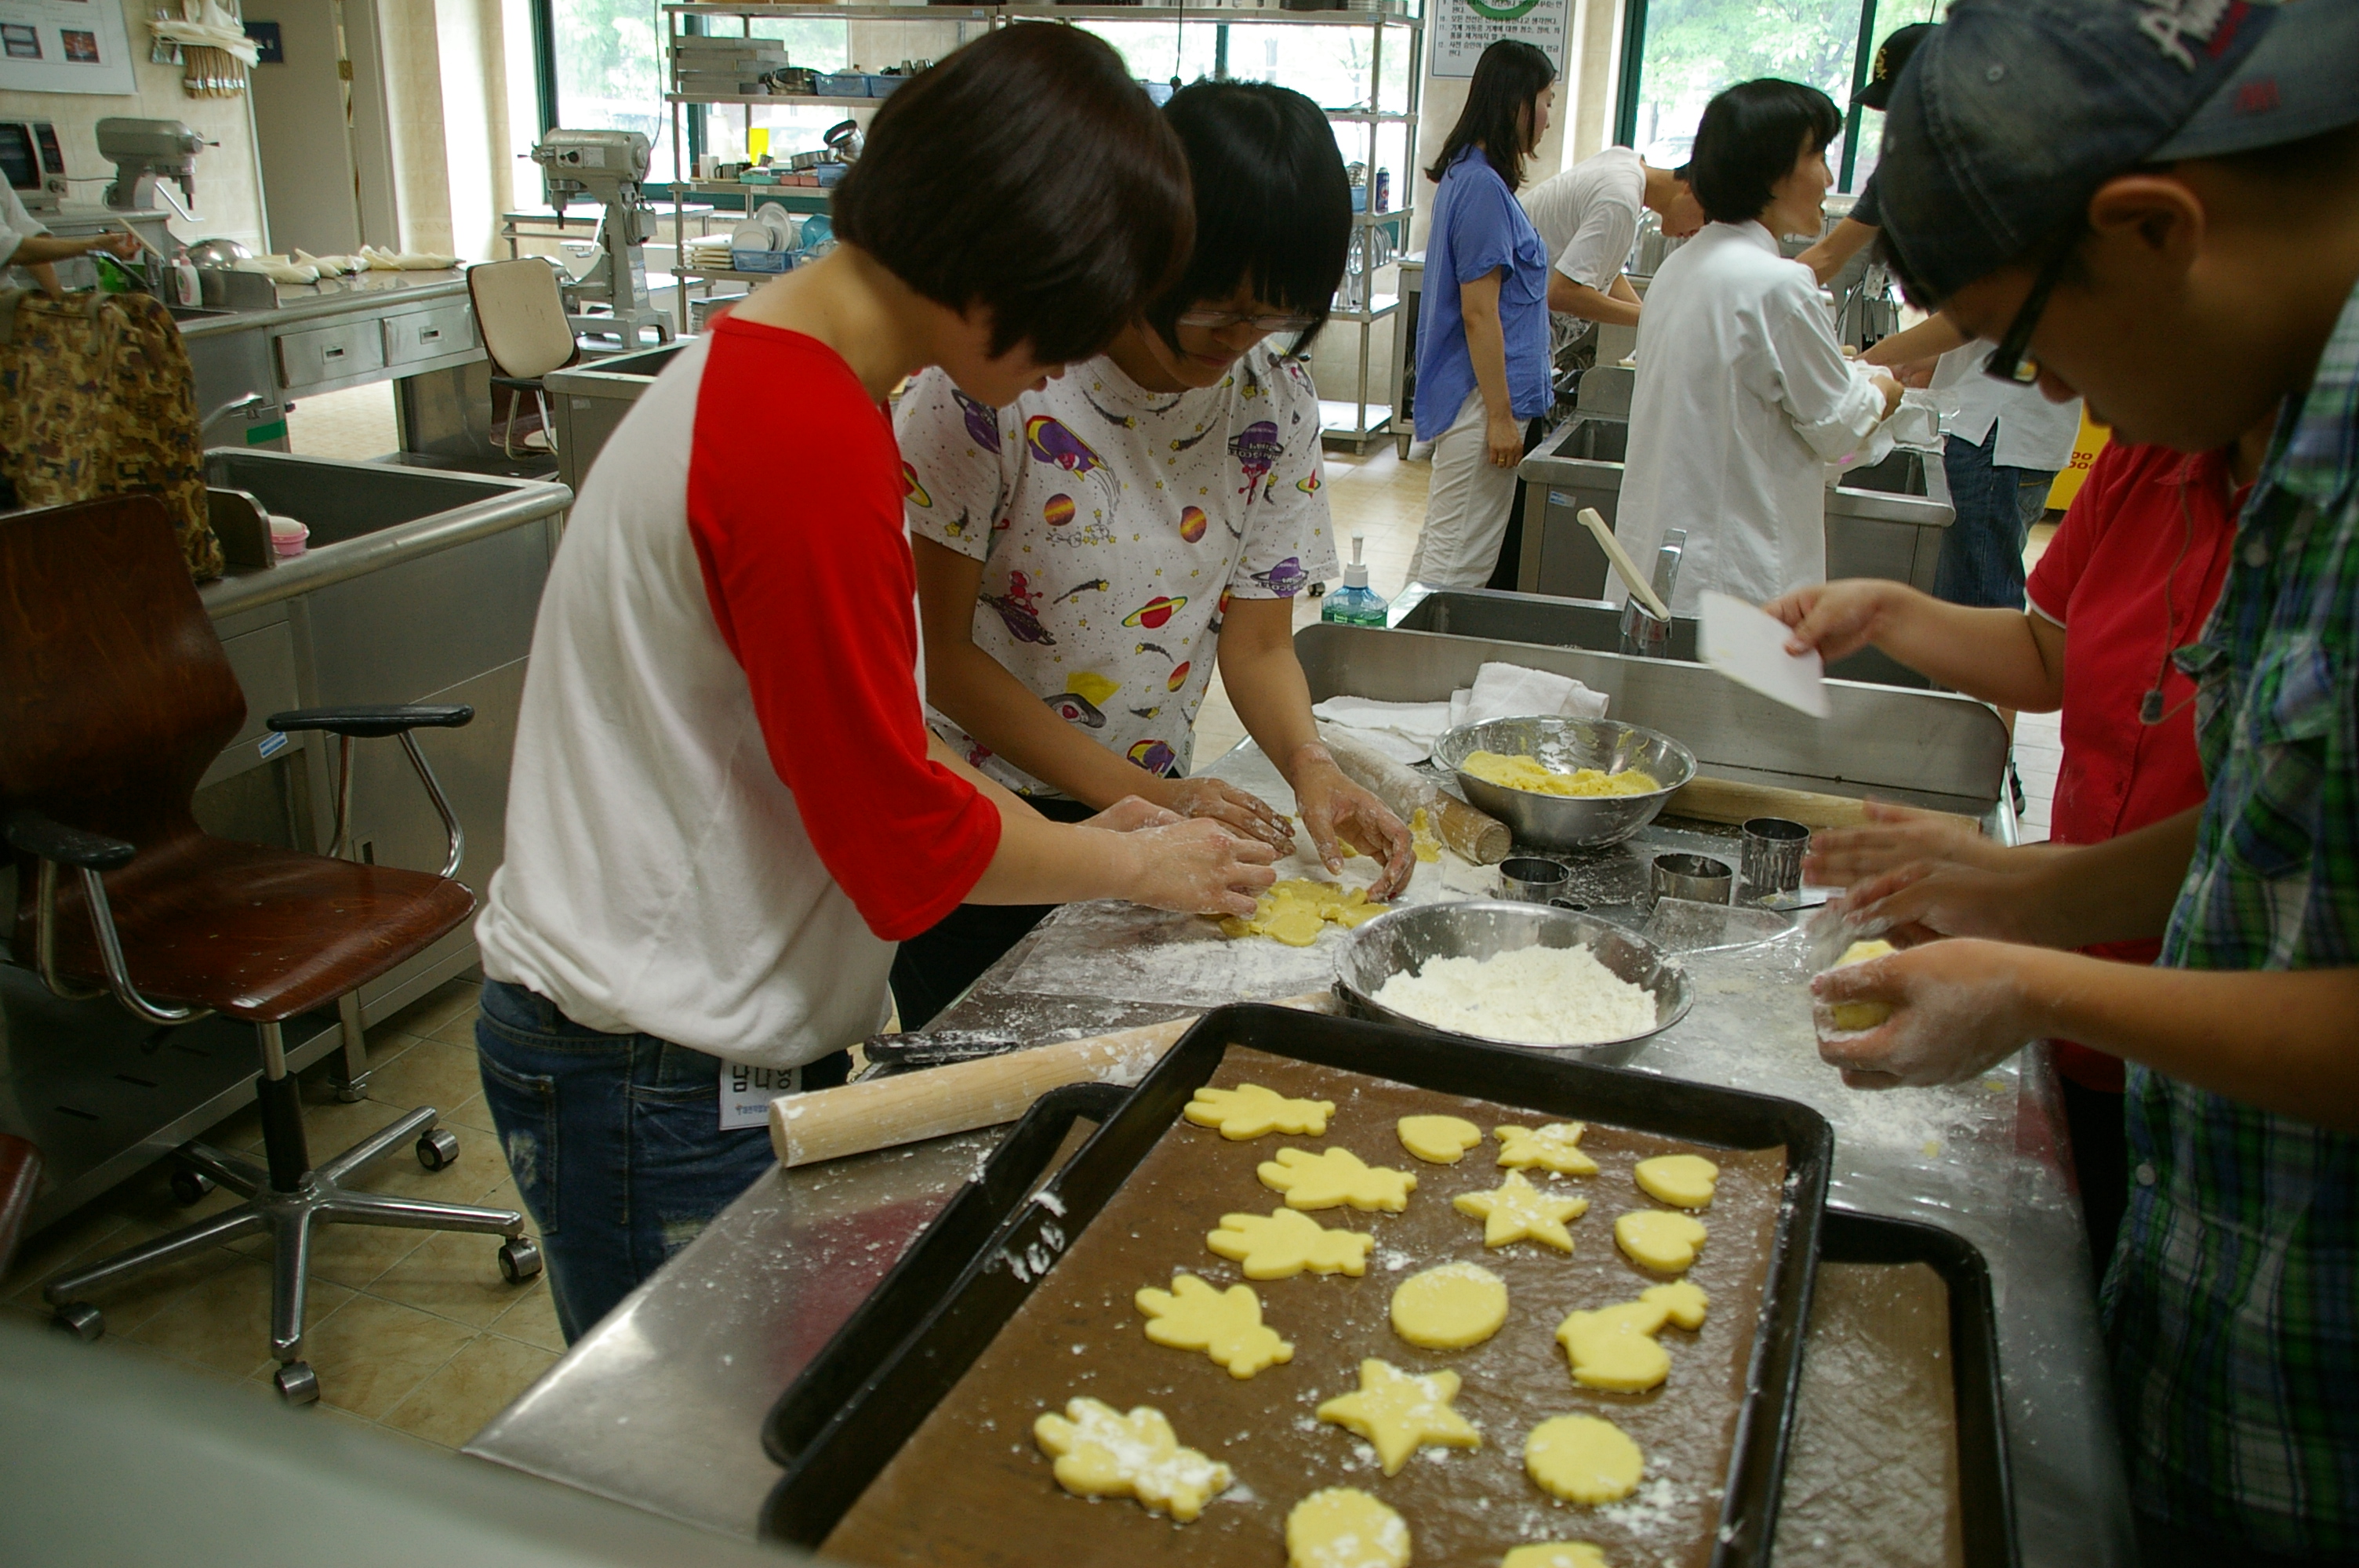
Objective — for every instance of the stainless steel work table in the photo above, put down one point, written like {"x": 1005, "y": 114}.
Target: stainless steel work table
{"x": 661, "y": 1405}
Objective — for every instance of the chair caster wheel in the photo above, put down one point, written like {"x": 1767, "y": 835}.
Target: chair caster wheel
{"x": 437, "y": 1147}
{"x": 189, "y": 1187}
{"x": 82, "y": 1320}
{"x": 353, "y": 1092}
{"x": 298, "y": 1384}
{"x": 519, "y": 1260}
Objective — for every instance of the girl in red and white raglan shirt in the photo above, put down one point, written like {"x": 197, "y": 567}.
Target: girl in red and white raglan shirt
{"x": 726, "y": 807}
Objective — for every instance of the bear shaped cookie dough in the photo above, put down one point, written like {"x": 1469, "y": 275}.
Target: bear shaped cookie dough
{"x": 1225, "y": 1324}
{"x": 1101, "y": 1453}
{"x": 1284, "y": 1242}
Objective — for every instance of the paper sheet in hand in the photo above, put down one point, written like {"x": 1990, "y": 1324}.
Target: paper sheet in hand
{"x": 1748, "y": 647}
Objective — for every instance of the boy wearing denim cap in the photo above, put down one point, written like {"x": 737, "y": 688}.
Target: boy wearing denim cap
{"x": 2156, "y": 206}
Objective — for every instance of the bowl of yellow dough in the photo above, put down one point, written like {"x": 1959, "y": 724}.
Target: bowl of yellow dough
{"x": 1566, "y": 783}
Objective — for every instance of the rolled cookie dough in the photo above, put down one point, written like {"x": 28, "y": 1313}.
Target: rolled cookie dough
{"x": 1438, "y": 1140}
{"x": 1450, "y": 1308}
{"x": 1683, "y": 1181}
{"x": 1342, "y": 1527}
{"x": 1583, "y": 1459}
{"x": 1101, "y": 1453}
{"x": 1855, "y": 1015}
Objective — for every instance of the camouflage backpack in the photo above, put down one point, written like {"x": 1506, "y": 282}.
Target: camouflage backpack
{"x": 97, "y": 399}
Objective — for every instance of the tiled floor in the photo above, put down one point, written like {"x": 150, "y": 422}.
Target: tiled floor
{"x": 413, "y": 1332}
{"x": 355, "y": 424}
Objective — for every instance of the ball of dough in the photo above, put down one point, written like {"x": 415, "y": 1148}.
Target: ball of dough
{"x": 1342, "y": 1527}
{"x": 1856, "y": 1015}
{"x": 1438, "y": 1140}
{"x": 1583, "y": 1459}
{"x": 1449, "y": 1308}
{"x": 1683, "y": 1181}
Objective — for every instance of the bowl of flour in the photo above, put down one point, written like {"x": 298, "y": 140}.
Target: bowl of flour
{"x": 1514, "y": 974}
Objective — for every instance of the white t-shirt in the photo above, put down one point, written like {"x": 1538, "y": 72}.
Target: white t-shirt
{"x": 1743, "y": 396}
{"x": 2033, "y": 433}
{"x": 1114, "y": 525}
{"x": 16, "y": 225}
{"x": 1588, "y": 216}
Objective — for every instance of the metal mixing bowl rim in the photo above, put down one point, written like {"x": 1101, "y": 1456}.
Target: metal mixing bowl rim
{"x": 1666, "y": 962}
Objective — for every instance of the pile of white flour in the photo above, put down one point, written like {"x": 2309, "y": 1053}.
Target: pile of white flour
{"x": 1534, "y": 996}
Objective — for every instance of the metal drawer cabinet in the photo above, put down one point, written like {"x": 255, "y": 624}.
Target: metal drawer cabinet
{"x": 415, "y": 336}
{"x": 327, "y": 355}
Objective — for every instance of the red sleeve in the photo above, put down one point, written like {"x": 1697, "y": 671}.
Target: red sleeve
{"x": 2084, "y": 528}
{"x": 810, "y": 578}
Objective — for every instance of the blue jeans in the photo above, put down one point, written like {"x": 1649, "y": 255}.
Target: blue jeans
{"x": 614, "y": 1142}
{"x": 1982, "y": 557}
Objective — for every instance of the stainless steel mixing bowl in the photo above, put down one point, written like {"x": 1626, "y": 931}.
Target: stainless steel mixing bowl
{"x": 1559, "y": 821}
{"x": 1402, "y": 942}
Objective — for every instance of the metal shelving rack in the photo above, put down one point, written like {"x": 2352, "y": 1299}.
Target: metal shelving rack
{"x": 1355, "y": 421}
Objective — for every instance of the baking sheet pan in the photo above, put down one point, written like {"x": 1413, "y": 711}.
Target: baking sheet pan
{"x": 858, "y": 1402}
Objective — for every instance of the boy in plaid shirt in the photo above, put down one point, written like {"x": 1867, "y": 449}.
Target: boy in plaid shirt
{"x": 2155, "y": 204}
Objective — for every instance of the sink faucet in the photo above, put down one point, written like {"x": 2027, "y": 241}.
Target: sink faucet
{"x": 1644, "y": 632}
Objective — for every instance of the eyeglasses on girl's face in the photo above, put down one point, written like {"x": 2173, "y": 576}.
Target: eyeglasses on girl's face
{"x": 1222, "y": 321}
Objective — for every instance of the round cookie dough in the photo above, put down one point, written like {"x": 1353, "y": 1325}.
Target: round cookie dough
{"x": 1583, "y": 1459}
{"x": 1453, "y": 1307}
{"x": 1856, "y": 1015}
{"x": 1342, "y": 1527}
{"x": 1683, "y": 1181}
{"x": 1438, "y": 1140}
{"x": 1555, "y": 1555}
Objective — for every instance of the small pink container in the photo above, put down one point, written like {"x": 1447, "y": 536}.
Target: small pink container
{"x": 287, "y": 536}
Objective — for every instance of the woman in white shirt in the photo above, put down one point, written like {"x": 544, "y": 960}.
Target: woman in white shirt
{"x": 1743, "y": 391}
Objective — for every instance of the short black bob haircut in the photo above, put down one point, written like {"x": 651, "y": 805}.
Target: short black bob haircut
{"x": 1500, "y": 104}
{"x": 1273, "y": 204}
{"x": 1750, "y": 138}
{"x": 1063, "y": 215}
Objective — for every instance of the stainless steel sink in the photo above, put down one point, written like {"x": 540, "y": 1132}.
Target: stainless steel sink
{"x": 1592, "y": 624}
{"x": 589, "y": 400}
{"x": 1880, "y": 522}
{"x": 340, "y": 501}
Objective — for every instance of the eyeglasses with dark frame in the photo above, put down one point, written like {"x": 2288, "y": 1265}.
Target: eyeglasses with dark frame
{"x": 2011, "y": 361}
{"x": 1221, "y": 320}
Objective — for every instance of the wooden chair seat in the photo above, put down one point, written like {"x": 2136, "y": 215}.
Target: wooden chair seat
{"x": 257, "y": 933}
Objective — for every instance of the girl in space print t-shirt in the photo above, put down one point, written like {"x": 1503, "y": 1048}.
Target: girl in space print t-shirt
{"x": 1114, "y": 524}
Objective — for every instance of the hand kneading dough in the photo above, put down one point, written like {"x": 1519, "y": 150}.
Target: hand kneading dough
{"x": 1334, "y": 1177}
{"x": 1555, "y": 1555}
{"x": 1345, "y": 1528}
{"x": 1556, "y": 1147}
{"x": 1583, "y": 1459}
{"x": 1516, "y": 1210}
{"x": 1853, "y": 1015}
{"x": 1225, "y": 1324}
{"x": 1438, "y": 1140}
{"x": 1101, "y": 1453}
{"x": 1283, "y": 1243}
{"x": 1683, "y": 1181}
{"x": 1401, "y": 1414}
{"x": 1449, "y": 1308}
{"x": 1660, "y": 1240}
{"x": 1249, "y": 1110}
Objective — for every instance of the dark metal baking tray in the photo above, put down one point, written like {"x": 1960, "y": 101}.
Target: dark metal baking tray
{"x": 1985, "y": 1485}
{"x": 875, "y": 1382}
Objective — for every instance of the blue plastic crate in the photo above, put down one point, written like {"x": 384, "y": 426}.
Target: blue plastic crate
{"x": 885, "y": 86}
{"x": 844, "y": 85}
{"x": 763, "y": 261}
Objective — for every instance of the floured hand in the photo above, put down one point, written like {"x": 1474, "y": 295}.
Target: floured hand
{"x": 1894, "y": 837}
{"x": 1956, "y": 1012}
{"x": 1198, "y": 868}
{"x": 1240, "y": 811}
{"x": 1132, "y": 813}
{"x": 1332, "y": 804}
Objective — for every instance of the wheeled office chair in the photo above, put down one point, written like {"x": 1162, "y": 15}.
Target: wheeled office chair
{"x": 118, "y": 697}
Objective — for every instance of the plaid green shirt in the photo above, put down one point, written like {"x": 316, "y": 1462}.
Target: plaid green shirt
{"x": 2233, "y": 1301}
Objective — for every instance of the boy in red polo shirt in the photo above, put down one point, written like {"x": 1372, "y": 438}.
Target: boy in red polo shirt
{"x": 2134, "y": 573}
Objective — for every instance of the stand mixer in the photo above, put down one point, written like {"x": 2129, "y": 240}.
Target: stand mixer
{"x": 144, "y": 151}
{"x": 609, "y": 169}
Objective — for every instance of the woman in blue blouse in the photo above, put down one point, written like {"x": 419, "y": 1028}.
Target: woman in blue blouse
{"x": 1481, "y": 345}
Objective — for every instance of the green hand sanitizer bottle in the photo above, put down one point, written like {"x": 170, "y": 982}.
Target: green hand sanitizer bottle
{"x": 1355, "y": 603}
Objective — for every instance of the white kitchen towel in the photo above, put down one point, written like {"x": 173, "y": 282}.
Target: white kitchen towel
{"x": 1403, "y": 732}
{"x": 1511, "y": 691}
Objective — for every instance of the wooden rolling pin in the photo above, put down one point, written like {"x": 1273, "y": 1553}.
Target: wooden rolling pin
{"x": 1724, "y": 800}
{"x": 828, "y": 1124}
{"x": 1478, "y": 835}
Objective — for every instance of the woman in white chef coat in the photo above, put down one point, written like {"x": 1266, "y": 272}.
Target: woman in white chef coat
{"x": 1743, "y": 391}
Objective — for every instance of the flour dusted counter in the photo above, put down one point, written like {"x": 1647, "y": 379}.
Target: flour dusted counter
{"x": 662, "y": 1405}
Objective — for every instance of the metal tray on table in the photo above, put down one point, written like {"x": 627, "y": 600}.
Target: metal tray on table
{"x": 851, "y": 1410}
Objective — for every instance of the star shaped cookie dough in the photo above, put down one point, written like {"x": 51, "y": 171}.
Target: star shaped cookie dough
{"x": 1555, "y": 1147}
{"x": 1101, "y": 1453}
{"x": 1334, "y": 1177}
{"x": 1283, "y": 1243}
{"x": 1225, "y": 1324}
{"x": 1400, "y": 1413}
{"x": 1250, "y": 1110}
{"x": 1517, "y": 1211}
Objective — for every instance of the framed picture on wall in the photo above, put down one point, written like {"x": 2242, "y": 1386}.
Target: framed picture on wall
{"x": 64, "y": 46}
